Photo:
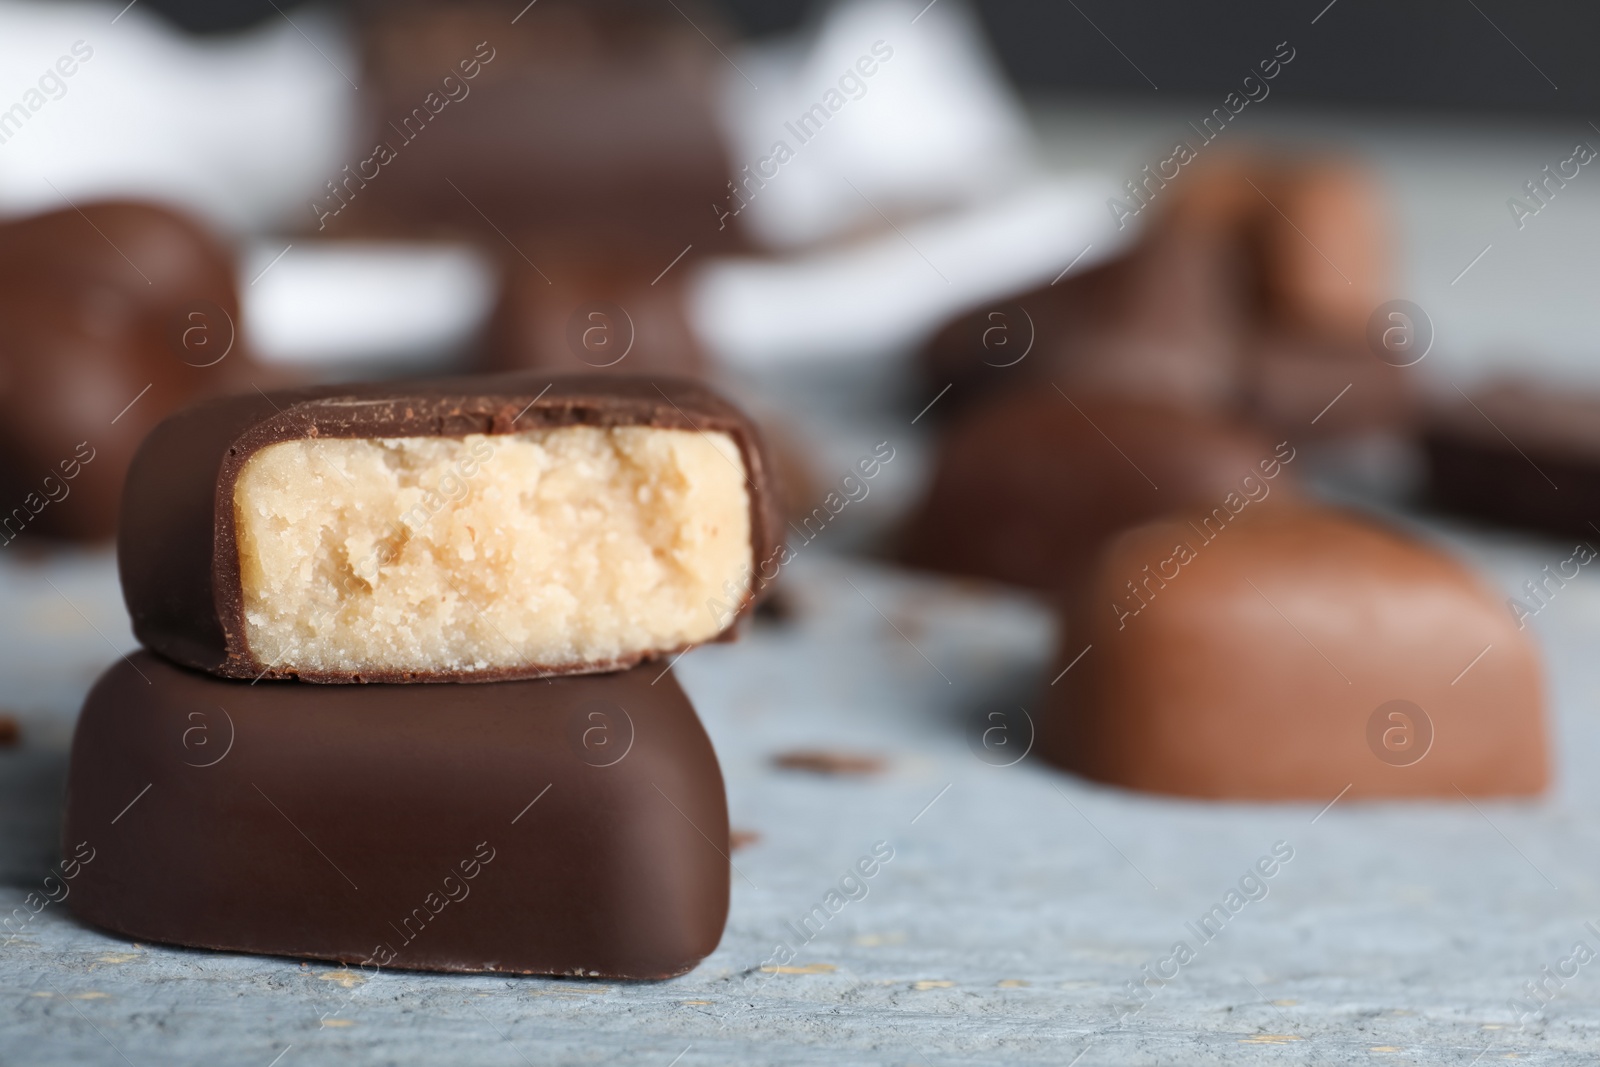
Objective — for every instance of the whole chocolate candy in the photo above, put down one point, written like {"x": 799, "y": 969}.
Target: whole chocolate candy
{"x": 111, "y": 318}
{"x": 1290, "y": 652}
{"x": 1027, "y": 488}
{"x": 1223, "y": 305}
{"x": 571, "y": 827}
{"x": 586, "y": 120}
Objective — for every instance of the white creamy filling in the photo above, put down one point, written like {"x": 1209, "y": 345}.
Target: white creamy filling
{"x": 550, "y": 547}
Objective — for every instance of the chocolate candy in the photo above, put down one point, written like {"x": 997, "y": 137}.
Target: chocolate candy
{"x": 1221, "y": 306}
{"x": 575, "y": 826}
{"x": 585, "y": 120}
{"x": 1286, "y": 652}
{"x": 473, "y": 529}
{"x": 1323, "y": 253}
{"x": 1322, "y": 268}
{"x": 1159, "y": 324}
{"x": 1519, "y": 455}
{"x": 1027, "y": 488}
{"x": 1309, "y": 387}
{"x": 111, "y": 318}
{"x": 586, "y": 313}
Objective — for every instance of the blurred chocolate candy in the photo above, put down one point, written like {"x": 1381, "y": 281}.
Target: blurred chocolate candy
{"x": 1233, "y": 300}
{"x": 1026, "y": 489}
{"x": 111, "y": 318}
{"x": 1324, "y": 251}
{"x": 590, "y": 312}
{"x": 1161, "y": 324}
{"x": 1291, "y": 653}
{"x": 581, "y": 119}
{"x": 1322, "y": 263}
{"x": 1315, "y": 387}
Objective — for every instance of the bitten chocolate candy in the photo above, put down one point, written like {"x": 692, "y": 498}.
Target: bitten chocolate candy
{"x": 471, "y": 529}
{"x": 1027, "y": 488}
{"x": 1519, "y": 455}
{"x": 575, "y": 826}
{"x": 110, "y": 319}
{"x": 1287, "y": 652}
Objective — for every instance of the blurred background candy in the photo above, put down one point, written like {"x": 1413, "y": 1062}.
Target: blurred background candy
{"x": 112, "y": 316}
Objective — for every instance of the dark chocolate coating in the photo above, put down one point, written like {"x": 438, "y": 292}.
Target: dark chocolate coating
{"x": 1026, "y": 489}
{"x": 1524, "y": 456}
{"x": 1297, "y": 651}
{"x": 110, "y": 319}
{"x": 176, "y": 548}
{"x": 390, "y": 826}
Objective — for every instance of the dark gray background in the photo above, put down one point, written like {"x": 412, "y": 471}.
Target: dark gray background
{"x": 1458, "y": 55}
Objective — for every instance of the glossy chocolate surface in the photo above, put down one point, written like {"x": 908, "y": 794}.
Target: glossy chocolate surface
{"x": 575, "y": 826}
{"x": 1287, "y": 652}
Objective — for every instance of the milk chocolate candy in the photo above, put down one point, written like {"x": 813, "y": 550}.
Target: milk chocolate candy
{"x": 1519, "y": 455}
{"x": 1164, "y": 322}
{"x": 110, "y": 319}
{"x": 1286, "y": 652}
{"x": 1324, "y": 255}
{"x": 1160, "y": 324}
{"x": 1322, "y": 270}
{"x": 1026, "y": 489}
{"x": 574, "y": 826}
{"x": 1221, "y": 306}
{"x": 473, "y": 529}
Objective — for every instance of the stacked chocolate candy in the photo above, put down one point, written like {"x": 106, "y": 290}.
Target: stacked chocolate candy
{"x": 549, "y": 537}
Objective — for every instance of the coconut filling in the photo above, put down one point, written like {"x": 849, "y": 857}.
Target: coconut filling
{"x": 553, "y": 547}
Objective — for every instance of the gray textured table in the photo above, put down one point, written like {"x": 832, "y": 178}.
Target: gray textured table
{"x": 1018, "y": 905}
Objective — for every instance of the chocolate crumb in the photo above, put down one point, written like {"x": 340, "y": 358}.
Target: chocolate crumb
{"x": 822, "y": 761}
